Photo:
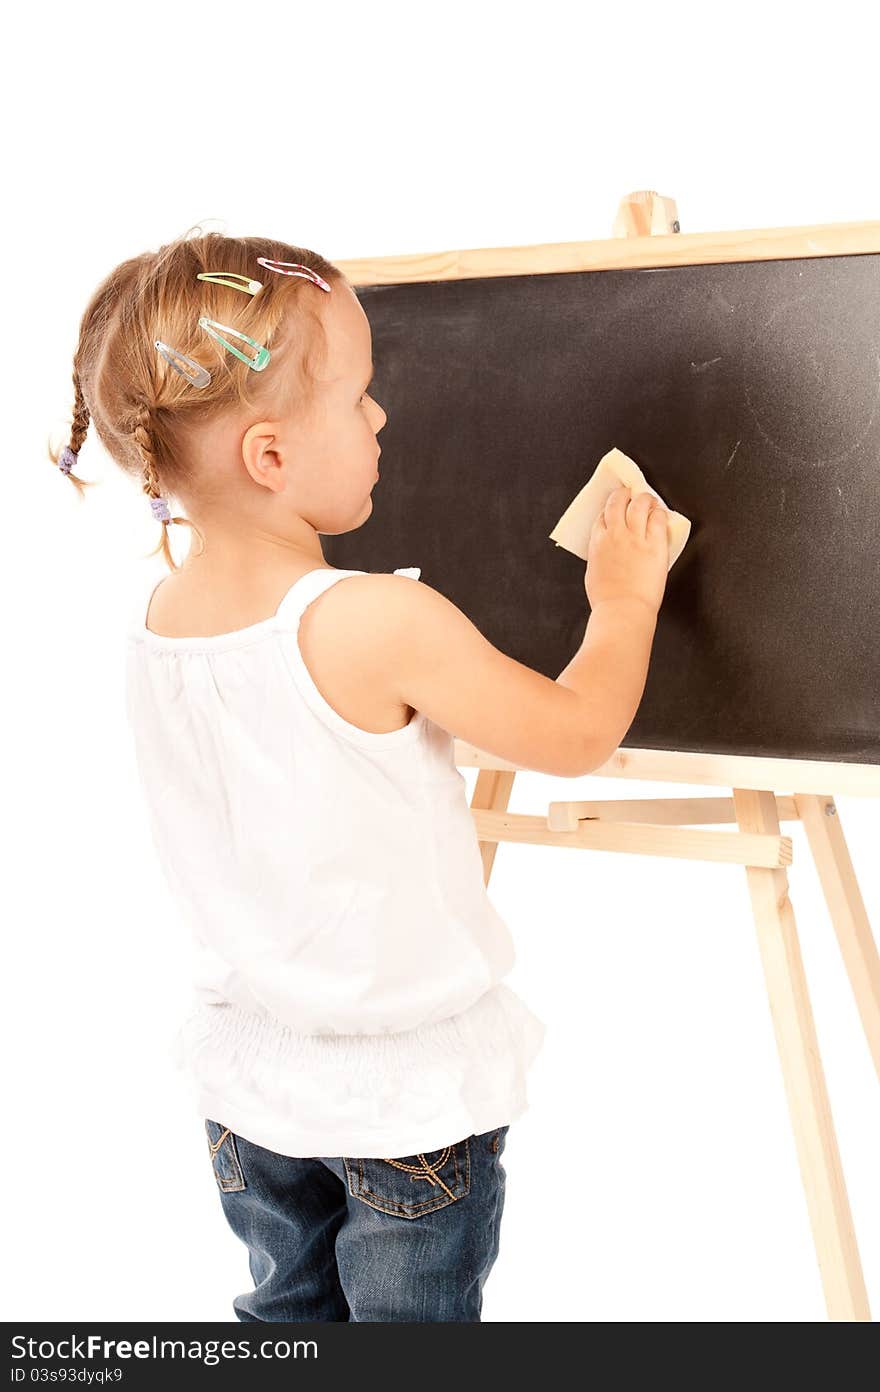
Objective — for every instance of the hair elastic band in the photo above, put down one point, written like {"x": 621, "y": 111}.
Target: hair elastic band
{"x": 256, "y": 363}
{"x": 67, "y": 459}
{"x": 160, "y": 510}
{"x": 187, "y": 367}
{"x": 293, "y": 268}
{"x": 233, "y": 280}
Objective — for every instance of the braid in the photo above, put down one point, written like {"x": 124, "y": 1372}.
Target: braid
{"x": 80, "y": 423}
{"x": 144, "y": 443}
{"x": 66, "y": 458}
{"x": 143, "y": 440}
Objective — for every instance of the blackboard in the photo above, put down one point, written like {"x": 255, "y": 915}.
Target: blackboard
{"x": 748, "y": 392}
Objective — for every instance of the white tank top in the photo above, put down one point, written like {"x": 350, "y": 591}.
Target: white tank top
{"x": 347, "y": 959}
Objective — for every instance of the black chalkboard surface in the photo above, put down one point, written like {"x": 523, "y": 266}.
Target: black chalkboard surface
{"x": 749, "y": 395}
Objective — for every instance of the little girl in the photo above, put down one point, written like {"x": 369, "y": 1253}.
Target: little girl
{"x": 353, "y": 1049}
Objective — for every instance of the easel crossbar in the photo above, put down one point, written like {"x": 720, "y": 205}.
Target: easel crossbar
{"x": 565, "y": 816}
{"x": 634, "y": 838}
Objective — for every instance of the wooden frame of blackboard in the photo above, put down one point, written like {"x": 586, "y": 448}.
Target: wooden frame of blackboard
{"x": 657, "y": 252}
{"x": 670, "y": 827}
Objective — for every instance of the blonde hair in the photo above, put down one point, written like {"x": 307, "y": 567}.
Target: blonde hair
{"x": 143, "y": 410}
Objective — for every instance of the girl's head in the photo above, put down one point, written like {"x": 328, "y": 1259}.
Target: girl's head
{"x": 280, "y": 454}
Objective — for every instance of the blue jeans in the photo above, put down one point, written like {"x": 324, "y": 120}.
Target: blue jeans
{"x": 340, "y": 1238}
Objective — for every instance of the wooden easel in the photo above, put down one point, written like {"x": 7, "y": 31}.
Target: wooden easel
{"x": 671, "y": 827}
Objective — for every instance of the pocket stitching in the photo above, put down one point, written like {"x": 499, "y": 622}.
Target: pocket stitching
{"x": 419, "y": 1169}
{"x": 408, "y": 1210}
{"x": 234, "y": 1182}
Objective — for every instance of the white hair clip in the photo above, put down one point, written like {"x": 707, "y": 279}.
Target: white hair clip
{"x": 187, "y": 367}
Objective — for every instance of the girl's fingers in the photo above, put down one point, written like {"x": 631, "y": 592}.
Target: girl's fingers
{"x": 616, "y": 504}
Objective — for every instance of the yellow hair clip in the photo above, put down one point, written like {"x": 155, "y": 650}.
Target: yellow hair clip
{"x": 233, "y": 280}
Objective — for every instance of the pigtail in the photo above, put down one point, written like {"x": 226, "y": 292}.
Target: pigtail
{"x": 66, "y": 458}
{"x": 144, "y": 442}
{"x": 148, "y": 396}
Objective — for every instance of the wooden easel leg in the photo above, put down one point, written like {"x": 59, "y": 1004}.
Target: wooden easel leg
{"x": 809, "y": 1107}
{"x": 821, "y": 821}
{"x": 491, "y": 793}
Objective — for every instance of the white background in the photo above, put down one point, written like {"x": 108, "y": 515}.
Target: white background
{"x": 654, "y": 1177}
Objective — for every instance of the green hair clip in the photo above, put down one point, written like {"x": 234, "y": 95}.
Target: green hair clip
{"x": 256, "y": 363}
{"x": 233, "y": 280}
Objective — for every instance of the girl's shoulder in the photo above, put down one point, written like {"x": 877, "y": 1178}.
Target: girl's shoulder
{"x": 187, "y": 606}
{"x": 345, "y": 635}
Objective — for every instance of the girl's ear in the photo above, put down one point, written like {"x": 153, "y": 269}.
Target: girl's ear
{"x": 261, "y": 456}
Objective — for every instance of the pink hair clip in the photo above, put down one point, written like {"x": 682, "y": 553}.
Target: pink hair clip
{"x": 293, "y": 268}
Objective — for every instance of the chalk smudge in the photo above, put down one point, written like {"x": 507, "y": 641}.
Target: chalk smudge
{"x": 829, "y": 459}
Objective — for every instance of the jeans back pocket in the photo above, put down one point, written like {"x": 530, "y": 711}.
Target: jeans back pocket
{"x": 224, "y": 1157}
{"x": 412, "y": 1185}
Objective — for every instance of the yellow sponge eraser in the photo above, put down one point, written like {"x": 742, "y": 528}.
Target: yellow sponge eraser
{"x": 573, "y": 529}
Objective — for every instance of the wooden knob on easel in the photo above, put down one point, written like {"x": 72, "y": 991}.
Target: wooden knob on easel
{"x": 646, "y": 213}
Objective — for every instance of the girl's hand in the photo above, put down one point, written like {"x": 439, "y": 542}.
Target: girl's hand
{"x": 628, "y": 553}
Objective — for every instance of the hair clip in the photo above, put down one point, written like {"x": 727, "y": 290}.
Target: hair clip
{"x": 256, "y": 363}
{"x": 187, "y": 367}
{"x": 233, "y": 280}
{"x": 293, "y": 268}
